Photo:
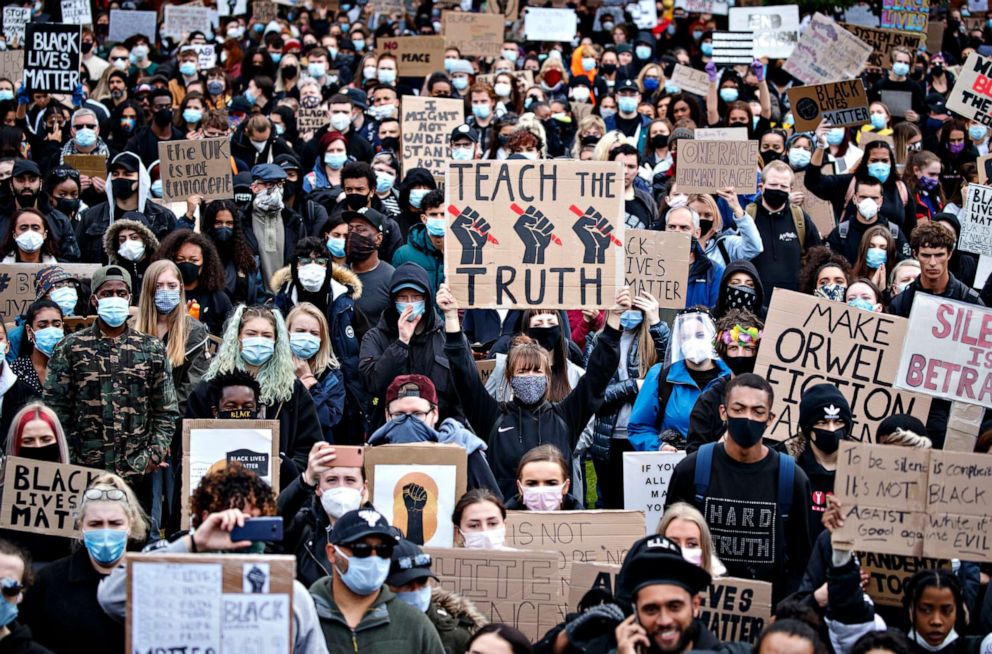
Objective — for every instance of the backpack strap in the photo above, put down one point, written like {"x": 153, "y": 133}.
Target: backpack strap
{"x": 664, "y": 391}
{"x": 903, "y": 191}
{"x": 722, "y": 247}
{"x": 799, "y": 220}
{"x": 786, "y": 480}
{"x": 704, "y": 469}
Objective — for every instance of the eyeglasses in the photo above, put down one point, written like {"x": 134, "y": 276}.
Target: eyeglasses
{"x": 306, "y": 261}
{"x": 10, "y": 587}
{"x": 364, "y": 550}
{"x": 112, "y": 494}
{"x": 410, "y": 562}
{"x": 419, "y": 415}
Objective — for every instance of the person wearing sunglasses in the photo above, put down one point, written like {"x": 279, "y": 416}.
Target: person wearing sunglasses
{"x": 62, "y": 608}
{"x": 351, "y": 601}
{"x": 454, "y": 617}
{"x": 15, "y": 576}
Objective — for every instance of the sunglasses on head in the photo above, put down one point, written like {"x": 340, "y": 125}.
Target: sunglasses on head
{"x": 98, "y": 494}
{"x": 364, "y": 550}
{"x": 411, "y": 562}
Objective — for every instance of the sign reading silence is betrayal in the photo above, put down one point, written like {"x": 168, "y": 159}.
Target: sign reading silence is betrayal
{"x": 52, "y": 57}
{"x": 534, "y": 234}
{"x": 201, "y": 167}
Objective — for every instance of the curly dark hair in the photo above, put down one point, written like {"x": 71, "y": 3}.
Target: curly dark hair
{"x": 236, "y": 249}
{"x": 818, "y": 258}
{"x": 229, "y": 379}
{"x": 234, "y": 487}
{"x": 49, "y": 247}
{"x": 729, "y": 320}
{"x": 890, "y": 640}
{"x": 931, "y": 235}
{"x": 211, "y": 273}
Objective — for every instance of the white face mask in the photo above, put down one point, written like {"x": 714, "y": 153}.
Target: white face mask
{"x": 258, "y": 145}
{"x": 312, "y": 276}
{"x": 340, "y": 500}
{"x": 132, "y": 250}
{"x": 693, "y": 555}
{"x": 868, "y": 208}
{"x": 543, "y": 498}
{"x": 492, "y": 539}
{"x": 30, "y": 241}
{"x": 696, "y": 350}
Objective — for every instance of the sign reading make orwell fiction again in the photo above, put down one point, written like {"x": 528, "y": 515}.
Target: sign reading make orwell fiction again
{"x": 972, "y": 93}
{"x": 43, "y": 497}
{"x": 201, "y": 167}
{"x": 534, "y": 234}
{"x": 51, "y": 57}
{"x": 708, "y": 166}
{"x": 808, "y": 341}
{"x": 658, "y": 263}
{"x": 426, "y": 126}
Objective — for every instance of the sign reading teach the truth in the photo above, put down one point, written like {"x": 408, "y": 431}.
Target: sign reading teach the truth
{"x": 708, "y": 166}
{"x": 947, "y": 351}
{"x": 658, "y": 263}
{"x": 51, "y": 57}
{"x": 42, "y": 497}
{"x": 841, "y": 103}
{"x": 201, "y": 167}
{"x": 826, "y": 52}
{"x": 646, "y": 476}
{"x": 906, "y": 15}
{"x": 808, "y": 341}
{"x": 972, "y": 93}
{"x": 976, "y": 220}
{"x": 426, "y": 126}
{"x": 415, "y": 55}
{"x": 898, "y": 500}
{"x": 534, "y": 234}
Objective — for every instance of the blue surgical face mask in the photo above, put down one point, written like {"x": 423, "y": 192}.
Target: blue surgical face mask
{"x": 86, "y": 137}
{"x": 419, "y": 599}
{"x": 976, "y": 132}
{"x": 707, "y": 49}
{"x": 729, "y": 94}
{"x": 627, "y": 104}
{"x": 335, "y": 245}
{"x": 650, "y": 84}
{"x": 6, "y": 95}
{"x": 435, "y": 227}
{"x": 193, "y": 116}
{"x": 642, "y": 52}
{"x": 387, "y": 76}
{"x": 418, "y": 308}
{"x": 383, "y": 181}
{"x": 66, "y": 297}
{"x": 879, "y": 170}
{"x": 417, "y": 196}
{"x": 364, "y": 576}
{"x": 166, "y": 299}
{"x": 106, "y": 546}
{"x": 835, "y": 136}
{"x": 304, "y": 345}
{"x": 878, "y": 121}
{"x": 631, "y": 318}
{"x": 112, "y": 310}
{"x": 799, "y": 158}
{"x": 316, "y": 69}
{"x": 188, "y": 69}
{"x": 697, "y": 35}
{"x": 256, "y": 350}
{"x": 460, "y": 83}
{"x": 8, "y": 612}
{"x": 672, "y": 89}
{"x": 335, "y": 160}
{"x": 876, "y": 258}
{"x": 215, "y": 87}
{"x": 46, "y": 339}
{"x": 861, "y": 303}
{"x": 481, "y": 111}
{"x": 156, "y": 188}
{"x": 901, "y": 69}
{"x": 277, "y": 57}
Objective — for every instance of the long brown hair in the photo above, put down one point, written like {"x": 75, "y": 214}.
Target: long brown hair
{"x": 861, "y": 263}
{"x": 527, "y": 355}
{"x": 558, "y": 357}
{"x": 178, "y": 320}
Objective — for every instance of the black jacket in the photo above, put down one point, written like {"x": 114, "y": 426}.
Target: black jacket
{"x": 144, "y": 143}
{"x": 294, "y": 229}
{"x": 847, "y": 246}
{"x": 242, "y": 149}
{"x": 94, "y": 222}
{"x": 512, "y": 428}
{"x": 705, "y": 425}
{"x": 58, "y": 222}
{"x": 781, "y": 260}
{"x": 305, "y": 534}
{"x": 13, "y": 401}
{"x": 734, "y": 267}
{"x": 834, "y": 189}
{"x": 902, "y": 303}
{"x": 20, "y": 642}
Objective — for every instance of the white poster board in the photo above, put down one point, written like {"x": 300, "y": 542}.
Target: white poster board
{"x": 776, "y": 29}
{"x": 646, "y": 476}
{"x": 542, "y": 24}
{"x": 976, "y": 220}
{"x": 14, "y": 21}
{"x": 124, "y": 24}
{"x": 77, "y": 12}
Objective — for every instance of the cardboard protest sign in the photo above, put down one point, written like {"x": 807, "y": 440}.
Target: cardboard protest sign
{"x": 479, "y": 35}
{"x": 776, "y": 29}
{"x": 718, "y": 7}
{"x": 12, "y": 65}
{"x": 646, "y": 476}
{"x": 264, "y": 10}
{"x": 563, "y": 249}
{"x": 77, "y": 12}
{"x": 644, "y": 13}
{"x": 888, "y": 574}
{"x": 935, "y": 35}
{"x": 128, "y": 23}
{"x": 15, "y": 19}
{"x": 827, "y": 53}
{"x": 52, "y": 57}
{"x": 906, "y": 15}
{"x": 208, "y": 445}
{"x": 720, "y": 134}
{"x": 657, "y": 263}
{"x": 206, "y": 55}
{"x": 485, "y": 368}
{"x": 820, "y": 210}
{"x": 976, "y": 220}
{"x": 586, "y": 576}
{"x": 180, "y": 20}
{"x": 222, "y": 603}
{"x": 897, "y": 500}
{"x": 898, "y": 102}
{"x": 707, "y": 166}
{"x": 41, "y": 497}
{"x": 843, "y": 104}
{"x": 964, "y": 424}
{"x": 523, "y": 78}
{"x": 425, "y": 130}
{"x": 91, "y": 165}
{"x": 691, "y": 79}
{"x": 415, "y": 55}
{"x": 733, "y": 48}
{"x": 515, "y": 588}
{"x": 882, "y": 42}
{"x": 17, "y": 289}
{"x": 201, "y": 167}
{"x": 311, "y": 119}
{"x": 509, "y": 9}
{"x": 549, "y": 24}
{"x": 972, "y": 93}
{"x": 416, "y": 486}
{"x": 946, "y": 350}
{"x": 809, "y": 341}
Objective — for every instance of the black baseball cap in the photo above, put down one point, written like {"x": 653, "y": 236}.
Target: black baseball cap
{"x": 627, "y": 85}
{"x": 409, "y": 563}
{"x": 655, "y": 560}
{"x": 126, "y": 160}
{"x": 371, "y": 216}
{"x": 356, "y": 525}
{"x": 25, "y": 167}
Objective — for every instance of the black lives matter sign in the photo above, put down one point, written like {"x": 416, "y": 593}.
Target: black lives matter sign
{"x": 52, "y": 57}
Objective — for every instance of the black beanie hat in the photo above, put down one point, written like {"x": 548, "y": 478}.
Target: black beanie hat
{"x": 821, "y": 401}
{"x": 902, "y": 421}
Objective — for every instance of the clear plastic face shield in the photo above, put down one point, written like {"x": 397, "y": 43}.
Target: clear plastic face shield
{"x": 693, "y": 335}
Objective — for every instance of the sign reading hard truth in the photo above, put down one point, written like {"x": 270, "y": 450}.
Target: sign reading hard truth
{"x": 776, "y": 29}
{"x": 899, "y": 500}
{"x": 809, "y": 341}
{"x": 51, "y": 57}
{"x": 425, "y": 127}
{"x": 658, "y": 263}
{"x": 691, "y": 79}
{"x": 708, "y": 166}
{"x": 201, "y": 167}
{"x": 976, "y": 220}
{"x": 826, "y": 53}
{"x": 646, "y": 476}
{"x": 947, "y": 350}
{"x": 479, "y": 35}
{"x": 972, "y": 93}
{"x": 906, "y": 15}
{"x": 882, "y": 42}
{"x": 415, "y": 55}
{"x": 562, "y": 246}
{"x": 842, "y": 104}
{"x": 42, "y": 497}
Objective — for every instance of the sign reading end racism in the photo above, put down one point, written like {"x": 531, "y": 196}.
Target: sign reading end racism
{"x": 51, "y": 57}
{"x": 534, "y": 234}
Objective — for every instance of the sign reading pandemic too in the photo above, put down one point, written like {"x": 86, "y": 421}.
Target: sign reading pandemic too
{"x": 972, "y": 93}
{"x": 43, "y": 497}
{"x": 658, "y": 263}
{"x": 426, "y": 126}
{"x": 51, "y": 57}
{"x": 809, "y": 341}
{"x": 534, "y": 234}
{"x": 888, "y": 574}
{"x": 900, "y": 500}
{"x": 201, "y": 167}
{"x": 708, "y": 166}
{"x": 906, "y": 15}
{"x": 947, "y": 351}
{"x": 976, "y": 220}
{"x": 842, "y": 104}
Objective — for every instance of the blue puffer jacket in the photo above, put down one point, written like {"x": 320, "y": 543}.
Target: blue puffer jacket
{"x": 649, "y": 419}
{"x": 704, "y": 279}
{"x": 621, "y": 392}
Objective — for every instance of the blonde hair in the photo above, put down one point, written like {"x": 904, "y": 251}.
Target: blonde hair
{"x": 324, "y": 358}
{"x": 135, "y": 514}
{"x": 609, "y": 141}
{"x": 178, "y": 330}
{"x": 689, "y": 513}
{"x": 41, "y": 412}
{"x": 906, "y": 438}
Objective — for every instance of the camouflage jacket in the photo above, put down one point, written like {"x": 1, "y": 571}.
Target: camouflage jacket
{"x": 115, "y": 398}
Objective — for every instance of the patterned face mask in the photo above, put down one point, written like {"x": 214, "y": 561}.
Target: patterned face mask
{"x": 741, "y": 297}
{"x": 832, "y": 292}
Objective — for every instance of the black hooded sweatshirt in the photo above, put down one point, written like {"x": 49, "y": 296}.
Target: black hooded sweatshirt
{"x": 723, "y": 306}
